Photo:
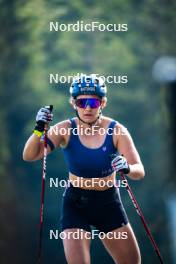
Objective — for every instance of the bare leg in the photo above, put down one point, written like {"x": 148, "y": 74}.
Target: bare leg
{"x": 123, "y": 251}
{"x": 77, "y": 251}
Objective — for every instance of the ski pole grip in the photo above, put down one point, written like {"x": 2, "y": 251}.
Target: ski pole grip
{"x": 51, "y": 108}
{"x": 112, "y": 156}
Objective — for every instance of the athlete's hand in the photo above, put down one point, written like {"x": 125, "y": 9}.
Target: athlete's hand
{"x": 120, "y": 164}
{"x": 44, "y": 116}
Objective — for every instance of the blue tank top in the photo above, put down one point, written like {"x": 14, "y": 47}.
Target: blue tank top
{"x": 87, "y": 162}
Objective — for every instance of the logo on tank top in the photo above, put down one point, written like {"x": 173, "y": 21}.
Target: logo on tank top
{"x": 104, "y": 148}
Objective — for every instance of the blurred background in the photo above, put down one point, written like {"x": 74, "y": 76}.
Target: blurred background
{"x": 145, "y": 105}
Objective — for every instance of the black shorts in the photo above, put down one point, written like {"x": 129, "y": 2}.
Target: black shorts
{"x": 84, "y": 208}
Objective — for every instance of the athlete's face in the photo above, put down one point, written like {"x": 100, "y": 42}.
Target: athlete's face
{"x": 88, "y": 110}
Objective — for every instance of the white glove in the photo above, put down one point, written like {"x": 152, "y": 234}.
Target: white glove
{"x": 44, "y": 115}
{"x": 120, "y": 164}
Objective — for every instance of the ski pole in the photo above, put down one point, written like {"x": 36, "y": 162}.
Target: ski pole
{"x": 43, "y": 191}
{"x": 139, "y": 212}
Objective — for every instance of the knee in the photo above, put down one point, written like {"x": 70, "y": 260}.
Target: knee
{"x": 78, "y": 261}
{"x": 135, "y": 259}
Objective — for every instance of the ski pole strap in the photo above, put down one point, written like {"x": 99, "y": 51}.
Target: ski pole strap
{"x": 49, "y": 142}
{"x": 41, "y": 135}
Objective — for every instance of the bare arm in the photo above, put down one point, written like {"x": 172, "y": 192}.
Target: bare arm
{"x": 34, "y": 147}
{"x": 126, "y": 147}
